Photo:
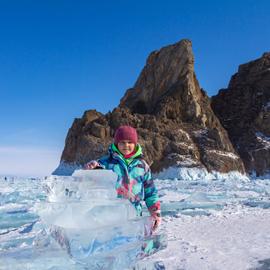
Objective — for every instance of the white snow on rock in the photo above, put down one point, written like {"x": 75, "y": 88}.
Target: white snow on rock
{"x": 185, "y": 145}
{"x": 200, "y": 132}
{"x": 224, "y": 153}
{"x": 262, "y": 139}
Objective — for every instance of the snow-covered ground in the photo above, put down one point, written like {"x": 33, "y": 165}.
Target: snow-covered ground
{"x": 234, "y": 238}
{"x": 212, "y": 221}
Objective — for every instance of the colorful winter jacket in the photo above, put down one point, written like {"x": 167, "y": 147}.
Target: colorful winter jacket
{"x": 134, "y": 180}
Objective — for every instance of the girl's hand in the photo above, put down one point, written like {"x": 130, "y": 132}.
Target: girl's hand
{"x": 91, "y": 165}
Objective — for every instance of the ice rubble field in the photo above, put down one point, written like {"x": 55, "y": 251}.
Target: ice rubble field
{"x": 212, "y": 221}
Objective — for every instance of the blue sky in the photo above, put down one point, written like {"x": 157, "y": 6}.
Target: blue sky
{"x": 60, "y": 58}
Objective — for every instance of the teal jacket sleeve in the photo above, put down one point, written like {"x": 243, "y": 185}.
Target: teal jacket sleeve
{"x": 150, "y": 192}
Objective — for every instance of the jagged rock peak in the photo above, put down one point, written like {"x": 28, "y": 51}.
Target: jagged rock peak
{"x": 164, "y": 69}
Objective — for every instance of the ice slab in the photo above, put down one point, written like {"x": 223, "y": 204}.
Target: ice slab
{"x": 85, "y": 200}
{"x": 84, "y": 216}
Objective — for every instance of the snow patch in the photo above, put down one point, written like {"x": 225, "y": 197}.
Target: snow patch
{"x": 264, "y": 140}
{"x": 183, "y": 160}
{"x": 187, "y": 162}
{"x": 223, "y": 153}
{"x": 183, "y": 144}
{"x": 200, "y": 132}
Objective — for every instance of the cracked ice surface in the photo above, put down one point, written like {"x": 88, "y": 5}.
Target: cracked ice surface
{"x": 212, "y": 220}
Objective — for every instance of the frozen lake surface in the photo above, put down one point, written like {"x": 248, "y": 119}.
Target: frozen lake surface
{"x": 220, "y": 223}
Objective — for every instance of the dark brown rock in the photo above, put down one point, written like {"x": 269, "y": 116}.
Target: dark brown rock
{"x": 171, "y": 113}
{"x": 244, "y": 110}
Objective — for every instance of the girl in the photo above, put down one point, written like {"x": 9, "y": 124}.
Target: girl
{"x": 134, "y": 176}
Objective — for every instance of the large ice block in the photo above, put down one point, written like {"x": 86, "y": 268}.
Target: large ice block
{"x": 86, "y": 200}
{"x": 84, "y": 216}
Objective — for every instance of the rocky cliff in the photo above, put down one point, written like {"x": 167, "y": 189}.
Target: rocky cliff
{"x": 244, "y": 110}
{"x": 173, "y": 116}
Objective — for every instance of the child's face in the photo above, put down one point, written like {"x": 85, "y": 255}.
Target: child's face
{"x": 126, "y": 147}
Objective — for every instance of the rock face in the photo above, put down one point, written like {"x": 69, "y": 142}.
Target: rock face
{"x": 171, "y": 113}
{"x": 244, "y": 110}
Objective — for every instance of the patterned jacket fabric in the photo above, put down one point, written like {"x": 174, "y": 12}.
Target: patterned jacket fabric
{"x": 134, "y": 180}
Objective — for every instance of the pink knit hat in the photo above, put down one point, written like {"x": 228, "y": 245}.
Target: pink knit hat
{"x": 125, "y": 133}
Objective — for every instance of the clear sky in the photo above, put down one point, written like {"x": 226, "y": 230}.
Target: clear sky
{"x": 60, "y": 58}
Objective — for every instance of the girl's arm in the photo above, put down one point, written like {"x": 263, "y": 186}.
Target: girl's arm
{"x": 101, "y": 163}
{"x": 151, "y": 198}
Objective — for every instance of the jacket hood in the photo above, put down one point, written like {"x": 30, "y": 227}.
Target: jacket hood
{"x": 138, "y": 153}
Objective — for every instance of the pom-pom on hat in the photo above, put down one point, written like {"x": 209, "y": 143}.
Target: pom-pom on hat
{"x": 125, "y": 133}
